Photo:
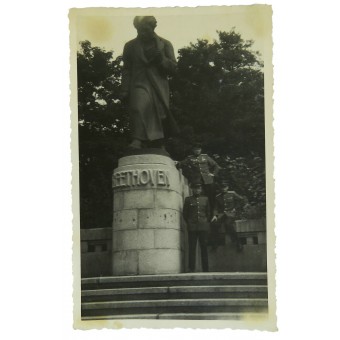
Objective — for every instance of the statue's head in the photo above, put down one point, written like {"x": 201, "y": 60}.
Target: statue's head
{"x": 145, "y": 26}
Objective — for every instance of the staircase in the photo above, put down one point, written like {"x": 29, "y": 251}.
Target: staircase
{"x": 195, "y": 296}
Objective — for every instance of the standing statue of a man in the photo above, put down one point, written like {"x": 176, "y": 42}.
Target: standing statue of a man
{"x": 148, "y": 61}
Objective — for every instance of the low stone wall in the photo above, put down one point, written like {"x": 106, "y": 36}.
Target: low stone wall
{"x": 253, "y": 257}
{"x": 96, "y": 255}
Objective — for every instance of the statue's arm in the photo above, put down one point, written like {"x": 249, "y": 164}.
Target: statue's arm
{"x": 169, "y": 60}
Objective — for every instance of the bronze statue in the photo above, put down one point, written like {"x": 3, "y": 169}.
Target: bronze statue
{"x": 148, "y": 61}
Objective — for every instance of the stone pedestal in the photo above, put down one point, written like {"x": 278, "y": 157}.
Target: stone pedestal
{"x": 147, "y": 219}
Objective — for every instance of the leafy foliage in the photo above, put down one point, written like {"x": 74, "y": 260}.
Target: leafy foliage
{"x": 246, "y": 176}
{"x": 103, "y": 130}
{"x": 99, "y": 81}
{"x": 219, "y": 92}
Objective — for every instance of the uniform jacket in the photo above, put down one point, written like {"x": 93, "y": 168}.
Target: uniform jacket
{"x": 228, "y": 204}
{"x": 196, "y": 213}
{"x": 201, "y": 169}
{"x": 147, "y": 86}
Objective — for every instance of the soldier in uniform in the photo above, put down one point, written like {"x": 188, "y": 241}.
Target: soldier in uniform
{"x": 227, "y": 206}
{"x": 196, "y": 213}
{"x": 200, "y": 168}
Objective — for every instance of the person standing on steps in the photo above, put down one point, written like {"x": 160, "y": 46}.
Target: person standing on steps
{"x": 227, "y": 206}
{"x": 196, "y": 213}
{"x": 201, "y": 168}
{"x": 148, "y": 61}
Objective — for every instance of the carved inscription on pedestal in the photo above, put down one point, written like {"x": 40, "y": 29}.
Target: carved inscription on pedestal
{"x": 141, "y": 177}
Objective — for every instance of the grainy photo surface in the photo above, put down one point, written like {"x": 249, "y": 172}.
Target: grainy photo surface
{"x": 173, "y": 197}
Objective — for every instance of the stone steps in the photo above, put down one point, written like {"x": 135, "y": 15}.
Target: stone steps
{"x": 174, "y": 306}
{"x": 166, "y": 280}
{"x": 178, "y": 296}
{"x": 179, "y": 292}
{"x": 181, "y": 316}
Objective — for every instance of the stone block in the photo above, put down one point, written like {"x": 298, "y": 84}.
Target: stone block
{"x": 96, "y": 234}
{"x": 146, "y": 239}
{"x": 133, "y": 239}
{"x": 174, "y": 180}
{"x": 159, "y": 218}
{"x": 118, "y": 201}
{"x": 139, "y": 199}
{"x": 167, "y": 238}
{"x": 166, "y": 199}
{"x": 125, "y": 240}
{"x": 125, "y": 262}
{"x": 159, "y": 261}
{"x": 125, "y": 219}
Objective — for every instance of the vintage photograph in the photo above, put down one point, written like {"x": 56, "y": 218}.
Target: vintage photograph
{"x": 172, "y": 151}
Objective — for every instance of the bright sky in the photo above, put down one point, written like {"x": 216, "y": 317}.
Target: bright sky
{"x": 111, "y": 28}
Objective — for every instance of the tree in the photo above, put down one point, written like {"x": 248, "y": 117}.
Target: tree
{"x": 218, "y": 95}
{"x": 246, "y": 176}
{"x": 99, "y": 81}
{"x": 103, "y": 131}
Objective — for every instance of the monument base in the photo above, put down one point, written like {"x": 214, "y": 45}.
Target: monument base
{"x": 147, "y": 220}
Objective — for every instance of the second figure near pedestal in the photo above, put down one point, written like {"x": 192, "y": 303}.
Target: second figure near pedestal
{"x": 200, "y": 168}
{"x": 196, "y": 213}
